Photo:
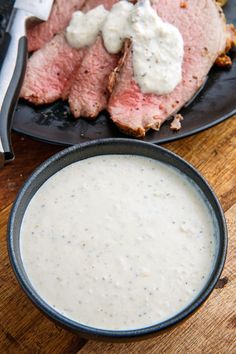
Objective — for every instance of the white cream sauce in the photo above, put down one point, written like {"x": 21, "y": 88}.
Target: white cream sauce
{"x": 118, "y": 242}
{"x": 157, "y": 46}
{"x": 116, "y": 28}
{"x": 84, "y": 27}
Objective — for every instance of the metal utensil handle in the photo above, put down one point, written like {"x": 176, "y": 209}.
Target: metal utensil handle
{"x": 11, "y": 78}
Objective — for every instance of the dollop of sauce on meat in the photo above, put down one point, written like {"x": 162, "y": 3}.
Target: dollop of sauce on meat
{"x": 84, "y": 27}
{"x": 118, "y": 241}
{"x": 157, "y": 46}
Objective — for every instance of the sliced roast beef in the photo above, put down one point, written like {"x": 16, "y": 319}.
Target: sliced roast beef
{"x": 89, "y": 93}
{"x": 49, "y": 70}
{"x": 94, "y": 3}
{"x": 40, "y": 33}
{"x": 202, "y": 25}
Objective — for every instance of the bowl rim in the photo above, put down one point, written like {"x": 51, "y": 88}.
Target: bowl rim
{"x": 104, "y": 333}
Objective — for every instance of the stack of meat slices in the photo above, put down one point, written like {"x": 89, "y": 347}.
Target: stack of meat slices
{"x": 57, "y": 70}
{"x": 93, "y": 80}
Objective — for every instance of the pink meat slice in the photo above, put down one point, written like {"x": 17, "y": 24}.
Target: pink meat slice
{"x": 49, "y": 70}
{"x": 94, "y": 3}
{"x": 89, "y": 93}
{"x": 203, "y": 28}
{"x": 41, "y": 33}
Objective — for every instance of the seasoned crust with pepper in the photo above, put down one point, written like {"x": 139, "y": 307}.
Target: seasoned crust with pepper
{"x": 221, "y": 2}
{"x": 224, "y": 60}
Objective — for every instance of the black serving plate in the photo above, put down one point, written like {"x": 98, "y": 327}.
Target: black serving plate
{"x": 54, "y": 123}
{"x": 104, "y": 147}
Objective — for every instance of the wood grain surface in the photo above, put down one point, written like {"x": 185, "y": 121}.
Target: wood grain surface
{"x": 23, "y": 329}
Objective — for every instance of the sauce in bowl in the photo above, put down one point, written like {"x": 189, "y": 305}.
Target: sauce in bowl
{"x": 118, "y": 241}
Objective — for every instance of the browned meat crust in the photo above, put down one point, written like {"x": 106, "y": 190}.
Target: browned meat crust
{"x": 223, "y": 60}
{"x": 221, "y": 2}
{"x": 231, "y": 40}
{"x": 114, "y": 74}
{"x": 175, "y": 125}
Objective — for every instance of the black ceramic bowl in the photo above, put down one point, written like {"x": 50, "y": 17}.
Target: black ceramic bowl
{"x": 102, "y": 147}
